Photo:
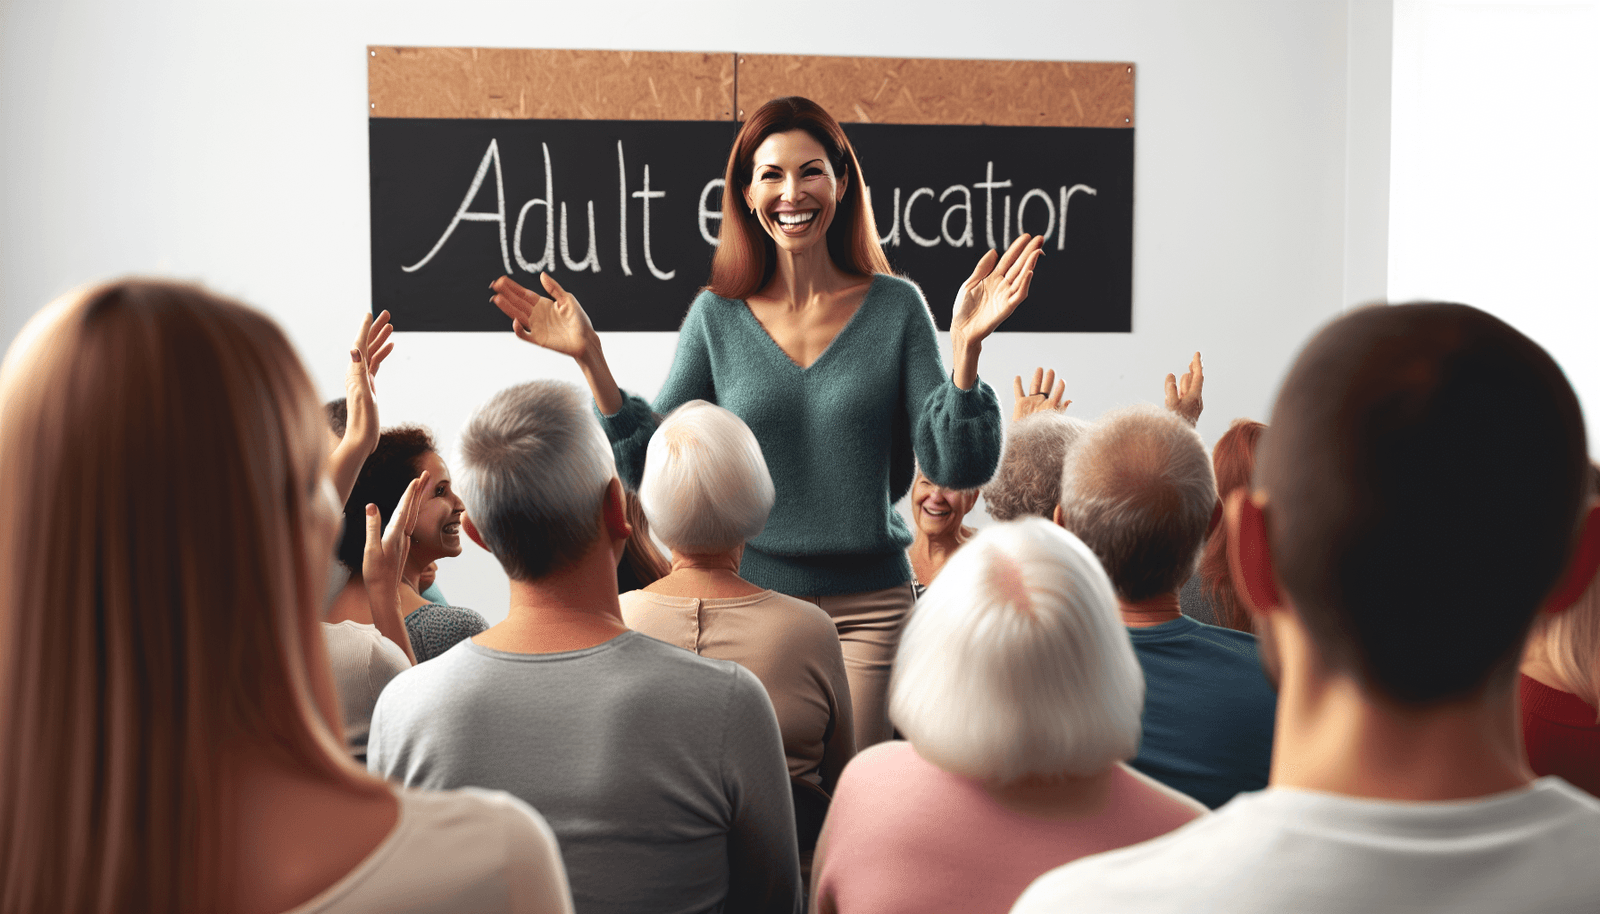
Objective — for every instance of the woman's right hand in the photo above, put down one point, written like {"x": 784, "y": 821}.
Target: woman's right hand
{"x": 557, "y": 323}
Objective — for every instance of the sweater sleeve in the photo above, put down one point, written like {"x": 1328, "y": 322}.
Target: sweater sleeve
{"x": 956, "y": 434}
{"x": 630, "y": 428}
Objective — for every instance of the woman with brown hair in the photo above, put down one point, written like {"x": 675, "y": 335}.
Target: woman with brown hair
{"x": 171, "y": 732}
{"x": 1234, "y": 461}
{"x": 832, "y": 363}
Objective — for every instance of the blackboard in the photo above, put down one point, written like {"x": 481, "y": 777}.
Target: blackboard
{"x": 457, "y": 202}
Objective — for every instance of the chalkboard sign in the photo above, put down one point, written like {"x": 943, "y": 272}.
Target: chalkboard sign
{"x": 625, "y": 214}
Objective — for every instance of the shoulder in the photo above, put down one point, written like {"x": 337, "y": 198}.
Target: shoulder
{"x": 887, "y": 287}
{"x": 653, "y": 660}
{"x": 1177, "y": 871}
{"x": 438, "y": 616}
{"x": 795, "y": 619}
{"x": 878, "y": 764}
{"x": 430, "y": 681}
{"x": 479, "y": 836}
{"x": 709, "y": 306}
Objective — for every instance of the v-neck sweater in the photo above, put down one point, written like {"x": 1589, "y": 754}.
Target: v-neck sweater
{"x": 837, "y": 435}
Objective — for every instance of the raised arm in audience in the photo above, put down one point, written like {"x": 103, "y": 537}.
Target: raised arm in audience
{"x": 1183, "y": 394}
{"x": 372, "y": 346}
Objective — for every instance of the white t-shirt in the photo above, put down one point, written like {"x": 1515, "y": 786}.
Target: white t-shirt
{"x": 457, "y": 850}
{"x": 363, "y": 662}
{"x": 1280, "y": 849}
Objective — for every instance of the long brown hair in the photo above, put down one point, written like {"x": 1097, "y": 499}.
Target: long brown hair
{"x": 160, "y": 449}
{"x": 1234, "y": 461}
{"x": 746, "y": 256}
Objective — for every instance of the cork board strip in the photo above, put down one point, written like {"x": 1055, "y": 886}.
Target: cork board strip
{"x": 549, "y": 84}
{"x": 886, "y": 90}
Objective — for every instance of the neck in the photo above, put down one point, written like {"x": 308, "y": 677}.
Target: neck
{"x": 1150, "y": 612}
{"x": 721, "y": 563}
{"x": 569, "y": 609}
{"x": 705, "y": 577}
{"x": 351, "y": 604}
{"x": 1334, "y": 736}
{"x": 800, "y": 279}
{"x": 1059, "y": 796}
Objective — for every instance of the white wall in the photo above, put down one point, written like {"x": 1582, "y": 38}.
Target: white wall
{"x": 228, "y": 143}
{"x": 1496, "y": 169}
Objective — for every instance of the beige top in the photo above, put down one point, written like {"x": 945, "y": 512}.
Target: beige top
{"x": 789, "y": 644}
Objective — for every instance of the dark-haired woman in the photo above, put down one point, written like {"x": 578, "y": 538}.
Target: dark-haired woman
{"x": 402, "y": 455}
{"x": 832, "y": 362}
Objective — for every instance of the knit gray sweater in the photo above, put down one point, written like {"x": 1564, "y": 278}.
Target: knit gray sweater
{"x": 837, "y": 436}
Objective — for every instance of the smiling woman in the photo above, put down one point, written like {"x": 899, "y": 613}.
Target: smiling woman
{"x": 402, "y": 455}
{"x": 832, "y": 363}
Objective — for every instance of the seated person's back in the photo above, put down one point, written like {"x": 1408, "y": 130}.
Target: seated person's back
{"x": 1393, "y": 614}
{"x": 661, "y": 772}
{"x": 1138, "y": 489}
{"x": 706, "y": 491}
{"x": 638, "y": 754}
{"x": 1208, "y": 709}
{"x": 1020, "y": 695}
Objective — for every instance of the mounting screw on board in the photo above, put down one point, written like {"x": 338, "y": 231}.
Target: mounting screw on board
{"x": 373, "y": 53}
{"x": 374, "y": 104}
{"x": 741, "y": 112}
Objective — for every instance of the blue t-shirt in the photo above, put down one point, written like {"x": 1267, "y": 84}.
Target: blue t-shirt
{"x": 1208, "y": 710}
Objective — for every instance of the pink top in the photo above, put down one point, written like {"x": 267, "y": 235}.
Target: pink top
{"x": 905, "y": 836}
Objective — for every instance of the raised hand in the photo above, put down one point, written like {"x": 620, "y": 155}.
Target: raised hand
{"x": 383, "y": 561}
{"x": 1183, "y": 394}
{"x": 557, "y": 323}
{"x": 1044, "y": 393}
{"x": 994, "y": 290}
{"x": 371, "y": 347}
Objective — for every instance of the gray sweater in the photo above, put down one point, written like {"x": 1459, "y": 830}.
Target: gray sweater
{"x": 662, "y": 773}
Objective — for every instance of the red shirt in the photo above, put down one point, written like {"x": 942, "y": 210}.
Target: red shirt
{"x": 1561, "y": 734}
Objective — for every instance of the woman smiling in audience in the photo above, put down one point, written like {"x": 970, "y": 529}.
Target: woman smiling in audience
{"x": 1019, "y": 692}
{"x": 831, "y": 362}
{"x": 936, "y": 516}
{"x": 171, "y": 733}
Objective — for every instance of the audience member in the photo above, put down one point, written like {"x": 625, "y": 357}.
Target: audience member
{"x": 1020, "y": 694}
{"x": 1209, "y": 595}
{"x": 1560, "y": 685}
{"x": 937, "y": 531}
{"x": 171, "y": 731}
{"x": 1396, "y": 610}
{"x": 363, "y": 656}
{"x": 1028, "y": 483}
{"x": 642, "y": 563}
{"x": 1138, "y": 489}
{"x": 707, "y": 490}
{"x": 401, "y": 455}
{"x": 1183, "y": 393}
{"x": 662, "y": 772}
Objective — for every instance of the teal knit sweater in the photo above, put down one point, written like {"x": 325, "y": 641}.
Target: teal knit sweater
{"x": 837, "y": 436}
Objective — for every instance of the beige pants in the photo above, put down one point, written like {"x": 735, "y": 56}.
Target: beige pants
{"x": 869, "y": 632}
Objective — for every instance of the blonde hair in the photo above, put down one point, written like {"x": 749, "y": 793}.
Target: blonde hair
{"x": 1569, "y": 641}
{"x": 160, "y": 449}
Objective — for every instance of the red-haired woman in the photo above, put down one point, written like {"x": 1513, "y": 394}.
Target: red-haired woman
{"x": 832, "y": 362}
{"x": 1234, "y": 460}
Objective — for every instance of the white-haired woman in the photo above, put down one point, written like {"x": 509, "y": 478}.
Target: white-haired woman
{"x": 706, "y": 491}
{"x": 1020, "y": 696}
{"x": 171, "y": 732}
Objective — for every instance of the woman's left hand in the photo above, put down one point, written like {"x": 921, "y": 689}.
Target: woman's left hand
{"x": 994, "y": 290}
{"x": 987, "y": 298}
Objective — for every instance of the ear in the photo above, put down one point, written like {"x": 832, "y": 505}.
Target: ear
{"x": 1249, "y": 558}
{"x": 614, "y": 511}
{"x": 749, "y": 198}
{"x": 843, "y": 184}
{"x": 1055, "y": 517}
{"x": 1582, "y": 568}
{"x": 472, "y": 531}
